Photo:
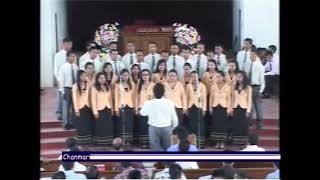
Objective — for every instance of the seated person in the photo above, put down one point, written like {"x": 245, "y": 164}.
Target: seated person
{"x": 77, "y": 166}
{"x": 92, "y": 172}
{"x": 183, "y": 143}
{"x": 127, "y": 167}
{"x": 275, "y": 174}
{"x": 134, "y": 174}
{"x": 164, "y": 174}
{"x": 69, "y": 171}
{"x": 58, "y": 175}
{"x": 253, "y": 144}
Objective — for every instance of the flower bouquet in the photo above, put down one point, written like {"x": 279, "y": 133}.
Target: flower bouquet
{"x": 186, "y": 34}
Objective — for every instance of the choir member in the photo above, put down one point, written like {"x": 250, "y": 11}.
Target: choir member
{"x": 186, "y": 75}
{"x": 232, "y": 73}
{"x": 164, "y": 55}
{"x": 90, "y": 73}
{"x": 209, "y": 77}
{"x": 220, "y": 58}
{"x": 220, "y": 108}
{"x": 160, "y": 74}
{"x": 200, "y": 60}
{"x": 175, "y": 61}
{"x": 111, "y": 78}
{"x": 140, "y": 60}
{"x": 93, "y": 58}
{"x": 153, "y": 57}
{"x": 243, "y": 56}
{"x": 129, "y": 58}
{"x": 241, "y": 104}
{"x": 117, "y": 65}
{"x": 135, "y": 74}
{"x": 102, "y": 107}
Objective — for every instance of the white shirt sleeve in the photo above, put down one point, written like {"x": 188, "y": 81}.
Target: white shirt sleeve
{"x": 61, "y": 78}
{"x": 144, "y": 111}
{"x": 174, "y": 117}
{"x": 261, "y": 78}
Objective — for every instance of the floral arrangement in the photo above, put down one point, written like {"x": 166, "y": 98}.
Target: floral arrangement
{"x": 107, "y": 33}
{"x": 186, "y": 34}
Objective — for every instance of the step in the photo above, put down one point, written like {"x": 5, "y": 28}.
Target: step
{"x": 57, "y": 133}
{"x": 51, "y": 124}
{"x": 53, "y": 143}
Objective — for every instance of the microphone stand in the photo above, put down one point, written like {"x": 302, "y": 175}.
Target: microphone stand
{"x": 199, "y": 104}
{"x": 122, "y": 110}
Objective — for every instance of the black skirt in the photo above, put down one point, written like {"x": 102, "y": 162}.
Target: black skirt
{"x": 194, "y": 122}
{"x": 104, "y": 127}
{"x": 179, "y": 112}
{"x": 83, "y": 125}
{"x": 219, "y": 124}
{"x": 143, "y": 130}
{"x": 240, "y": 126}
{"x": 126, "y": 123}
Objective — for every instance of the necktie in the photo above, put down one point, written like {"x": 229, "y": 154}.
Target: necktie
{"x": 116, "y": 68}
{"x": 131, "y": 59}
{"x": 73, "y": 75}
{"x": 198, "y": 64}
{"x": 245, "y": 57}
{"x": 153, "y": 62}
{"x": 218, "y": 60}
{"x": 174, "y": 62}
{"x": 250, "y": 73}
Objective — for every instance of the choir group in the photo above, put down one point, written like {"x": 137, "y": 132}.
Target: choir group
{"x": 213, "y": 94}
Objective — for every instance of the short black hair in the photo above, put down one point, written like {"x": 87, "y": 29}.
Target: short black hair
{"x": 113, "y": 50}
{"x": 92, "y": 172}
{"x": 209, "y": 50}
{"x": 253, "y": 139}
{"x": 175, "y": 171}
{"x": 88, "y": 64}
{"x": 66, "y": 39}
{"x": 164, "y": 51}
{"x": 273, "y": 48}
{"x": 158, "y": 90}
{"x": 125, "y": 164}
{"x": 218, "y": 45}
{"x": 130, "y": 42}
{"x": 199, "y": 43}
{"x": 58, "y": 175}
{"x": 174, "y": 44}
{"x": 218, "y": 173}
{"x": 139, "y": 50}
{"x": 70, "y": 52}
{"x": 186, "y": 48}
{"x": 187, "y": 64}
{"x": 173, "y": 71}
{"x": 249, "y": 40}
{"x": 253, "y": 48}
{"x": 134, "y": 174}
{"x": 71, "y": 142}
{"x": 67, "y": 165}
{"x": 269, "y": 53}
{"x": 93, "y": 48}
{"x": 152, "y": 43}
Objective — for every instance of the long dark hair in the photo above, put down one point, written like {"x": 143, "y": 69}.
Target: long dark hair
{"x": 138, "y": 72}
{"x": 245, "y": 81}
{"x": 141, "y": 80}
{"x": 182, "y": 135}
{"x": 79, "y": 73}
{"x": 237, "y": 66}
{"x": 128, "y": 82}
{"x": 104, "y": 67}
{"x": 215, "y": 63}
{"x": 157, "y": 67}
{"x": 97, "y": 84}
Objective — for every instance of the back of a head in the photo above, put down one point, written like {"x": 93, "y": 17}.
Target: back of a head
{"x": 134, "y": 174}
{"x": 117, "y": 143}
{"x": 58, "y": 175}
{"x": 184, "y": 144}
{"x": 253, "y": 139}
{"x": 218, "y": 174}
{"x": 158, "y": 90}
{"x": 175, "y": 171}
{"x": 240, "y": 174}
{"x": 71, "y": 142}
{"x": 92, "y": 172}
{"x": 226, "y": 172}
{"x": 67, "y": 165}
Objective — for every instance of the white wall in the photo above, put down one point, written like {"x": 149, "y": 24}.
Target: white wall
{"x": 259, "y": 21}
{"x": 48, "y": 8}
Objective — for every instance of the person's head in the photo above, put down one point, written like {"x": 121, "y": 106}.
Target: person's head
{"x": 67, "y": 44}
{"x": 107, "y": 68}
{"x": 187, "y": 68}
{"x": 71, "y": 142}
{"x": 261, "y": 52}
{"x": 158, "y": 90}
{"x": 93, "y": 52}
{"x": 200, "y": 48}
{"x": 81, "y": 77}
{"x": 175, "y": 171}
{"x": 145, "y": 75}
{"x": 212, "y": 65}
{"x": 210, "y": 54}
{"x": 242, "y": 79}
{"x": 139, "y": 55}
{"x": 253, "y": 139}
{"x": 161, "y": 66}
{"x": 152, "y": 46}
{"x": 130, "y": 47}
{"x": 172, "y": 75}
{"x": 185, "y": 53}
{"x": 220, "y": 77}
{"x": 233, "y": 66}
{"x": 125, "y": 164}
{"x": 182, "y": 135}
{"x": 272, "y": 48}
{"x": 125, "y": 74}
{"x": 269, "y": 55}
{"x": 89, "y": 67}
{"x": 58, "y": 175}
{"x": 218, "y": 49}
{"x": 247, "y": 43}
{"x": 167, "y": 164}
{"x": 92, "y": 172}
{"x": 113, "y": 45}
{"x": 100, "y": 81}
{"x": 68, "y": 165}
{"x": 218, "y": 174}
{"x": 240, "y": 174}
{"x": 227, "y": 172}
{"x": 253, "y": 55}
{"x": 75, "y": 149}
{"x": 174, "y": 48}
{"x": 71, "y": 56}
{"x": 164, "y": 55}
{"x": 134, "y": 174}
{"x": 90, "y": 44}
{"x": 117, "y": 143}
{"x": 114, "y": 54}
{"x": 194, "y": 77}
{"x": 135, "y": 69}
{"x": 230, "y": 56}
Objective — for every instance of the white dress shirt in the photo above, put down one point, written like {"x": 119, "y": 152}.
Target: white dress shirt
{"x": 83, "y": 57}
{"x": 164, "y": 174}
{"x": 59, "y": 59}
{"x": 257, "y": 74}
{"x": 275, "y": 64}
{"x": 243, "y": 57}
{"x": 188, "y": 165}
{"x": 179, "y": 65}
{"x": 97, "y": 63}
{"x": 203, "y": 63}
{"x": 253, "y": 148}
{"x": 268, "y": 68}
{"x": 77, "y": 166}
{"x": 126, "y": 60}
{"x": 274, "y": 175}
{"x": 191, "y": 62}
{"x": 120, "y": 65}
{"x": 148, "y": 60}
{"x": 72, "y": 175}
{"x": 160, "y": 112}
{"x": 65, "y": 75}
{"x": 142, "y": 66}
{"x": 221, "y": 62}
